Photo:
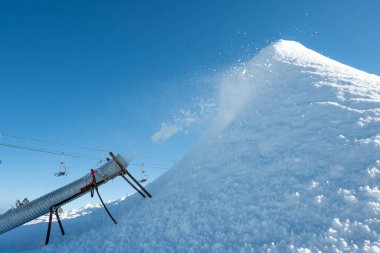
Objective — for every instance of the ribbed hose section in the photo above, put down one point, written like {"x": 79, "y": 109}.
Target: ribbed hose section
{"x": 38, "y": 207}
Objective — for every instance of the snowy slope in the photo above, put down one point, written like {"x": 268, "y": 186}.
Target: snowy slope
{"x": 291, "y": 164}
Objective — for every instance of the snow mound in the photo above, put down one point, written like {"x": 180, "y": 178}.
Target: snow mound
{"x": 291, "y": 164}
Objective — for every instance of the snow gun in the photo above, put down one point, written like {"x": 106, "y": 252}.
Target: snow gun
{"x": 51, "y": 202}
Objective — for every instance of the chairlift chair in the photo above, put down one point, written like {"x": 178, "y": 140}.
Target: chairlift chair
{"x": 144, "y": 176}
{"x": 63, "y": 169}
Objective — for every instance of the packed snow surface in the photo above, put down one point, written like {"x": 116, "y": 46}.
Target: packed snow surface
{"x": 290, "y": 164}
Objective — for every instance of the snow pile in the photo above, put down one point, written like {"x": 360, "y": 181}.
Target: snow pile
{"x": 291, "y": 164}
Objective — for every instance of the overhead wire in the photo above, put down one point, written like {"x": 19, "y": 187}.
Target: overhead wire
{"x": 49, "y": 142}
{"x": 149, "y": 166}
{"x": 49, "y": 151}
{"x": 72, "y": 154}
{"x": 68, "y": 154}
{"x": 73, "y": 145}
{"x": 158, "y": 159}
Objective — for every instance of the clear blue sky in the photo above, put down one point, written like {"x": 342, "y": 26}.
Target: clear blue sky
{"x": 108, "y": 73}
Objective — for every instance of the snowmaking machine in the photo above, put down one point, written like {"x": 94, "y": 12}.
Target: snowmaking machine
{"x": 51, "y": 202}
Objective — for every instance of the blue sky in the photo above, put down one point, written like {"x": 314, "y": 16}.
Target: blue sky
{"x": 108, "y": 73}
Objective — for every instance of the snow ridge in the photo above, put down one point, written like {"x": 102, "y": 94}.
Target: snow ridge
{"x": 291, "y": 164}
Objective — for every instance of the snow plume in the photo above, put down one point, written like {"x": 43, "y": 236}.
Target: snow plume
{"x": 235, "y": 92}
{"x": 184, "y": 119}
{"x": 180, "y": 123}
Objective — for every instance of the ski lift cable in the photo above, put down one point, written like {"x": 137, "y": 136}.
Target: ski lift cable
{"x": 154, "y": 164}
{"x": 148, "y": 166}
{"x": 75, "y": 155}
{"x": 49, "y": 151}
{"x": 158, "y": 159}
{"x": 101, "y": 150}
{"x": 49, "y": 142}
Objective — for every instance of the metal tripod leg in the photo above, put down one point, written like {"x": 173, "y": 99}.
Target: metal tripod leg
{"x": 50, "y": 222}
{"x": 94, "y": 186}
{"x": 134, "y": 187}
{"x": 101, "y": 200}
{"x": 49, "y": 227}
{"x": 59, "y": 222}
{"x": 141, "y": 187}
{"x": 122, "y": 167}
